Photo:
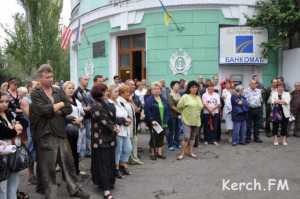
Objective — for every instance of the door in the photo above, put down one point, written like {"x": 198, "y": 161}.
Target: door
{"x": 132, "y": 56}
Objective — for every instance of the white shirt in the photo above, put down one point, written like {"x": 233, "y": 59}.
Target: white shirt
{"x": 121, "y": 112}
{"x": 129, "y": 109}
{"x": 211, "y": 101}
{"x": 254, "y": 97}
{"x": 77, "y": 111}
{"x": 226, "y": 95}
{"x": 141, "y": 94}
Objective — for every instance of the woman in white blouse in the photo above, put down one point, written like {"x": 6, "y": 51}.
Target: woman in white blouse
{"x": 74, "y": 127}
{"x": 280, "y": 101}
{"x": 118, "y": 97}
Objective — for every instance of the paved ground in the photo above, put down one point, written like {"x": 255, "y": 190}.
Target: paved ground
{"x": 202, "y": 178}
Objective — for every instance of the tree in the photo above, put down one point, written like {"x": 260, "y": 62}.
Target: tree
{"x": 281, "y": 18}
{"x": 36, "y": 38}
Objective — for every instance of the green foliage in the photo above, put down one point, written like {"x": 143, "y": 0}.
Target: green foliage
{"x": 281, "y": 18}
{"x": 36, "y": 38}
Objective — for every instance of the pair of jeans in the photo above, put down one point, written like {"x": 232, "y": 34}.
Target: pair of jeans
{"x": 9, "y": 187}
{"x": 173, "y": 133}
{"x": 81, "y": 143}
{"x": 123, "y": 149}
{"x": 211, "y": 132}
{"x": 88, "y": 133}
{"x": 254, "y": 123}
{"x": 239, "y": 132}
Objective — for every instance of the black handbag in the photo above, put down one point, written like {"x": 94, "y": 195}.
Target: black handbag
{"x": 20, "y": 160}
{"x": 4, "y": 167}
{"x": 72, "y": 130}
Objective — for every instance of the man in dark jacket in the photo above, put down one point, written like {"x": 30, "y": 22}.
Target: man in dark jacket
{"x": 295, "y": 108}
{"x": 268, "y": 108}
{"x": 48, "y": 110}
{"x": 82, "y": 94}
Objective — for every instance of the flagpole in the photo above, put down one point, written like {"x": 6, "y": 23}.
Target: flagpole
{"x": 180, "y": 29}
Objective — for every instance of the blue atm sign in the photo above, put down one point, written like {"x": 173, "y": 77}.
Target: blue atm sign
{"x": 242, "y": 45}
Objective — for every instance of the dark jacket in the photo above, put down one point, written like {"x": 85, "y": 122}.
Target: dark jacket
{"x": 6, "y": 133}
{"x": 44, "y": 121}
{"x": 239, "y": 111}
{"x": 295, "y": 102}
{"x": 103, "y": 125}
{"x": 85, "y": 99}
{"x": 152, "y": 111}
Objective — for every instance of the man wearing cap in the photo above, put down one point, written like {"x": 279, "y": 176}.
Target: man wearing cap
{"x": 295, "y": 108}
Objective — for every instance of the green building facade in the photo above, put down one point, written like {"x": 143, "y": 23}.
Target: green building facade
{"x": 131, "y": 39}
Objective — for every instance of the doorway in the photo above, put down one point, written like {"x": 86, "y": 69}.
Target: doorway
{"x": 132, "y": 56}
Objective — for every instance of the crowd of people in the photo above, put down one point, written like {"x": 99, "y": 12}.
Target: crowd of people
{"x": 61, "y": 124}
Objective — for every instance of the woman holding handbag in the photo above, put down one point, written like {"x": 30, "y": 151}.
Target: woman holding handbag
{"x": 280, "y": 101}
{"x": 123, "y": 121}
{"x": 9, "y": 130}
{"x": 74, "y": 122}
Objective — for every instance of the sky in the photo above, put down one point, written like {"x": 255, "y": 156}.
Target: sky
{"x": 10, "y": 7}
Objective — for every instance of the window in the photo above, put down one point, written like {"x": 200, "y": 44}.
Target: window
{"x": 99, "y": 49}
{"x": 125, "y": 60}
{"x": 139, "y": 41}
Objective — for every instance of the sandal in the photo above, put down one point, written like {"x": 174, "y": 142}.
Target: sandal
{"x": 192, "y": 155}
{"x": 108, "y": 196}
{"x": 180, "y": 157}
{"x": 125, "y": 171}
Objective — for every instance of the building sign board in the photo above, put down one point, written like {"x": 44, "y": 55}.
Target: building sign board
{"x": 242, "y": 45}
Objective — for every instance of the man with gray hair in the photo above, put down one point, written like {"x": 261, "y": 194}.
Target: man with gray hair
{"x": 255, "y": 100}
{"x": 82, "y": 94}
{"x": 48, "y": 111}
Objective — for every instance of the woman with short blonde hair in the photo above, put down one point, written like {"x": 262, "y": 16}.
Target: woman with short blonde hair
{"x": 156, "y": 114}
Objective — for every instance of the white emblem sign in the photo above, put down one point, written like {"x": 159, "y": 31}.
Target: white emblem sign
{"x": 89, "y": 68}
{"x": 180, "y": 62}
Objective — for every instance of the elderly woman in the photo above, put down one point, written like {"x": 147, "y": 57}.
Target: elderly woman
{"x": 226, "y": 96}
{"x": 239, "y": 116}
{"x": 156, "y": 114}
{"x": 74, "y": 122}
{"x": 295, "y": 108}
{"x": 10, "y": 129}
{"x": 103, "y": 141}
{"x": 117, "y": 96}
{"x": 212, "y": 104}
{"x": 190, "y": 106}
{"x": 280, "y": 101}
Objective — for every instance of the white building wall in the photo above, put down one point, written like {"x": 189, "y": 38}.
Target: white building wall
{"x": 291, "y": 66}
